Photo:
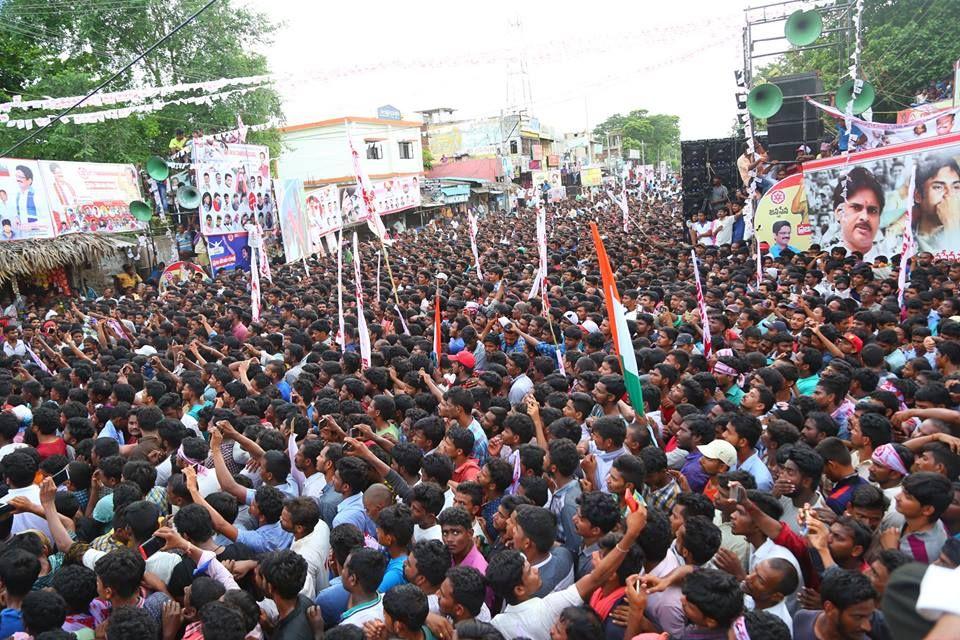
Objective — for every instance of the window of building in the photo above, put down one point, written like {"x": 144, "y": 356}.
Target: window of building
{"x": 513, "y": 147}
{"x": 406, "y": 151}
{"x": 374, "y": 151}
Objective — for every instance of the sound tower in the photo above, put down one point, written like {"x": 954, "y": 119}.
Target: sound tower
{"x": 700, "y": 161}
{"x": 797, "y": 122}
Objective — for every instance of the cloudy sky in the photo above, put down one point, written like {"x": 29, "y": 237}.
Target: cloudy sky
{"x": 584, "y": 61}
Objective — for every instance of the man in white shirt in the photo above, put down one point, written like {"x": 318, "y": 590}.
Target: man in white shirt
{"x": 20, "y": 469}
{"x": 311, "y": 539}
{"x": 513, "y": 578}
{"x": 13, "y": 346}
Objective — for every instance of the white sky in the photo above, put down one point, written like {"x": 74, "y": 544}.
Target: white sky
{"x": 586, "y": 60}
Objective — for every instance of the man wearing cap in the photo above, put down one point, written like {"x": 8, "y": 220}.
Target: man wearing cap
{"x": 718, "y": 456}
{"x": 462, "y": 364}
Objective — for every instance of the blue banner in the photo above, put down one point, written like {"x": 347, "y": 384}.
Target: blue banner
{"x": 229, "y": 252}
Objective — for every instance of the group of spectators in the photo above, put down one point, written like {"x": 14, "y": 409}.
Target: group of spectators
{"x": 172, "y": 468}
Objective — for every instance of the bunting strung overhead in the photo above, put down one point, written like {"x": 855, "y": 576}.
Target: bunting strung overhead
{"x": 130, "y": 95}
{"x": 123, "y": 112}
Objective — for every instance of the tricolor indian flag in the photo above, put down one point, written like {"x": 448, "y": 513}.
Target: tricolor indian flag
{"x": 616, "y": 312}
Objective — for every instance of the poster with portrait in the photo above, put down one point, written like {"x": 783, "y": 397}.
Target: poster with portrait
{"x": 293, "y": 219}
{"x": 235, "y": 187}
{"x": 880, "y": 189}
{"x": 229, "y": 252}
{"x": 89, "y": 197}
{"x": 24, "y": 209}
{"x": 323, "y": 214}
{"x": 781, "y": 218}
{"x": 390, "y": 196}
{"x": 873, "y": 135}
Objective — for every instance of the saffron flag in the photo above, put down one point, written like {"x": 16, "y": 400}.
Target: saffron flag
{"x": 617, "y": 315}
{"x": 363, "y": 334}
{"x": 704, "y": 319}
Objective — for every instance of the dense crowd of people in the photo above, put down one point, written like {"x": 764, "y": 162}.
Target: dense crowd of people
{"x": 173, "y": 469}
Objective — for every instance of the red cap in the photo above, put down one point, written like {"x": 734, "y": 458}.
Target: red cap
{"x": 465, "y": 358}
{"x": 855, "y": 341}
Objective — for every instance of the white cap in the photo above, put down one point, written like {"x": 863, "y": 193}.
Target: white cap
{"x": 146, "y": 350}
{"x": 571, "y": 317}
{"x": 590, "y": 326}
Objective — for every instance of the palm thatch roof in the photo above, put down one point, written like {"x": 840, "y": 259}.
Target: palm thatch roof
{"x": 27, "y": 257}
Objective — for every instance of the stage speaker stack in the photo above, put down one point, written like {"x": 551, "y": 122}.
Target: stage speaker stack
{"x": 700, "y": 161}
{"x": 797, "y": 121}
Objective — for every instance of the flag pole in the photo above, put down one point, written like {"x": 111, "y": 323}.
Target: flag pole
{"x": 393, "y": 284}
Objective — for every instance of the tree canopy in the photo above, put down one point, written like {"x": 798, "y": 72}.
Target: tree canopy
{"x": 906, "y": 45}
{"x": 55, "y": 49}
{"x": 657, "y": 134}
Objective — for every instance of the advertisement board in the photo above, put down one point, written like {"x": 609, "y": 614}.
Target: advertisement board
{"x": 590, "y": 176}
{"x": 323, "y": 214}
{"x": 228, "y": 252}
{"x": 781, "y": 217}
{"x": 293, "y": 222}
{"x": 91, "y": 196}
{"x": 235, "y": 187}
{"x": 24, "y": 208}
{"x": 880, "y": 189}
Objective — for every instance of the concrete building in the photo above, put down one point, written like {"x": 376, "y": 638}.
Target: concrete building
{"x": 319, "y": 152}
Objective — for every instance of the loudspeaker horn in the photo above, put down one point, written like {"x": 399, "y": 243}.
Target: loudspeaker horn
{"x": 141, "y": 210}
{"x": 803, "y": 28}
{"x": 764, "y": 100}
{"x": 864, "y": 99}
{"x": 157, "y": 168}
{"x": 188, "y": 197}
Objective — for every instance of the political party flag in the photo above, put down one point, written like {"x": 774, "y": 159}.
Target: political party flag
{"x": 368, "y": 210}
{"x": 541, "y": 274}
{"x": 341, "y": 336}
{"x": 437, "y": 347}
{"x": 473, "y": 243}
{"x": 704, "y": 320}
{"x": 909, "y": 248}
{"x": 617, "y": 315}
{"x": 362, "y": 332}
{"x": 379, "y": 255}
{"x": 255, "y": 293}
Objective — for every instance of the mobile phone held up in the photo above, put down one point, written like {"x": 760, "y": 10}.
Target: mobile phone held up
{"x": 151, "y": 546}
{"x": 61, "y": 476}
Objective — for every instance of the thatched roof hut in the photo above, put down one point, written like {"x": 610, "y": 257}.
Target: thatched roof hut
{"x": 22, "y": 258}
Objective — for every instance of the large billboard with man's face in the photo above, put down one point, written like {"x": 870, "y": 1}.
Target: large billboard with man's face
{"x": 860, "y": 201}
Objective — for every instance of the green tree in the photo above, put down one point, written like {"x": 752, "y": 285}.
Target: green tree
{"x": 657, "y": 135}
{"x": 906, "y": 44}
{"x": 67, "y": 49}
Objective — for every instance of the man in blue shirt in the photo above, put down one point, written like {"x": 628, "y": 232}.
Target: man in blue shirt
{"x": 333, "y": 600}
{"x": 266, "y": 507}
{"x": 743, "y": 431}
{"x": 350, "y": 480}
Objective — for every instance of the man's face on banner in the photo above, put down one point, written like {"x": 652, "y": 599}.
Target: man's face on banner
{"x": 942, "y": 185}
{"x": 859, "y": 219}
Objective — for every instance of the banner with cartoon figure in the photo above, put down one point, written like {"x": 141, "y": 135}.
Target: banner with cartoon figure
{"x": 228, "y": 252}
{"x": 781, "y": 218}
{"x": 865, "y": 210}
{"x": 234, "y": 184}
{"x": 91, "y": 196}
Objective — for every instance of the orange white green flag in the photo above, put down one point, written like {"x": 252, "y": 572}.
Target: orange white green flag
{"x": 617, "y": 315}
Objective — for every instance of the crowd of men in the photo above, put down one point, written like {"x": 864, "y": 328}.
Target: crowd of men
{"x": 173, "y": 469}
